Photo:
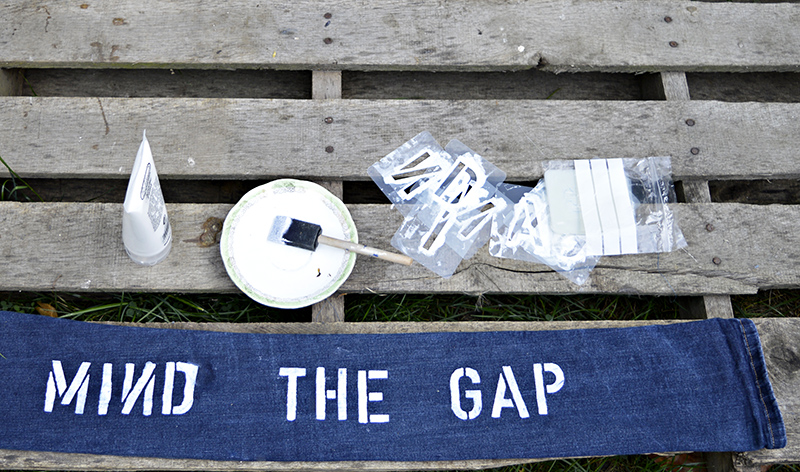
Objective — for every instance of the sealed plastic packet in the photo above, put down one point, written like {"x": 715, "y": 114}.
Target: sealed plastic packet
{"x": 620, "y": 206}
{"x": 146, "y": 232}
{"x": 525, "y": 231}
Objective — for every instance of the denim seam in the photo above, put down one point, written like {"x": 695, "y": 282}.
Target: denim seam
{"x": 758, "y": 383}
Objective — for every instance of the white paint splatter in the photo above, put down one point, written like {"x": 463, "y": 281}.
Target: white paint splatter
{"x": 521, "y": 49}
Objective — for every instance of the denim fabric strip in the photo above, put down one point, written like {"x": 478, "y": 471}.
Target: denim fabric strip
{"x": 69, "y": 386}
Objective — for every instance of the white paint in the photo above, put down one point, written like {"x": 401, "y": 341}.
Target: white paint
{"x": 507, "y": 380}
{"x": 365, "y": 396}
{"x": 541, "y": 389}
{"x": 57, "y": 386}
{"x": 474, "y": 395}
{"x": 145, "y": 383}
{"x": 291, "y": 391}
{"x": 323, "y": 394}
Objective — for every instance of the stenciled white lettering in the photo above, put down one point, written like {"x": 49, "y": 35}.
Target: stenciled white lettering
{"x": 291, "y": 391}
{"x": 57, "y": 384}
{"x": 340, "y": 394}
{"x": 366, "y": 394}
{"x": 500, "y": 400}
{"x": 474, "y": 395}
{"x": 506, "y": 384}
{"x": 144, "y": 388}
{"x": 541, "y": 399}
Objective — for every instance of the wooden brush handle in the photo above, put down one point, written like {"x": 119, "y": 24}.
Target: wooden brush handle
{"x": 365, "y": 250}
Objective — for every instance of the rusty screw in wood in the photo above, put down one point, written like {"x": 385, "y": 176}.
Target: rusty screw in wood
{"x": 329, "y": 120}
{"x": 327, "y": 40}
{"x": 695, "y": 151}
{"x": 673, "y": 44}
{"x": 709, "y": 227}
{"x": 328, "y": 148}
{"x": 668, "y": 19}
{"x": 716, "y": 261}
{"x": 690, "y": 122}
{"x": 327, "y": 16}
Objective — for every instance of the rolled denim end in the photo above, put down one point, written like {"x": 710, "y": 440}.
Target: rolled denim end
{"x": 770, "y": 424}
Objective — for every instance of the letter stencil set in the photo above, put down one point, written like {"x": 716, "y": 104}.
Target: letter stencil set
{"x": 71, "y": 386}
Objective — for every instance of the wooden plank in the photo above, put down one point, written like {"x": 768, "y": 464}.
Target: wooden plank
{"x": 666, "y": 86}
{"x": 44, "y": 247}
{"x": 779, "y": 338}
{"x": 257, "y": 139}
{"x": 558, "y": 35}
{"x": 327, "y": 85}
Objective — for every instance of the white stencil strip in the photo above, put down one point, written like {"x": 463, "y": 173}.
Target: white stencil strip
{"x": 624, "y": 206}
{"x": 591, "y": 219}
{"x": 605, "y": 207}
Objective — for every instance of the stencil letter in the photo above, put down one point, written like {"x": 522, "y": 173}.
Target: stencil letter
{"x": 364, "y": 396}
{"x": 538, "y": 377}
{"x": 500, "y": 400}
{"x": 131, "y": 393}
{"x": 57, "y": 386}
{"x": 190, "y": 375}
{"x": 291, "y": 391}
{"x": 340, "y": 394}
{"x": 474, "y": 395}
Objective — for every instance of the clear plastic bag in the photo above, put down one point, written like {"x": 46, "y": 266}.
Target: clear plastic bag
{"x": 525, "y": 232}
{"x": 447, "y": 196}
{"x": 619, "y": 205}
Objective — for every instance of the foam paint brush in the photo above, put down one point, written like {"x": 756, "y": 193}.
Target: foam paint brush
{"x": 308, "y": 236}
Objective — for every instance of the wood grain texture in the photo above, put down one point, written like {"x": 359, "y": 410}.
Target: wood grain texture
{"x": 780, "y": 340}
{"x": 327, "y": 85}
{"x": 559, "y": 35}
{"x": 258, "y": 139}
{"x": 44, "y": 248}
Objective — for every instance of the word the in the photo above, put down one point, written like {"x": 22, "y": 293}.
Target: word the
{"x": 506, "y": 382}
{"x": 77, "y": 390}
{"x": 323, "y": 394}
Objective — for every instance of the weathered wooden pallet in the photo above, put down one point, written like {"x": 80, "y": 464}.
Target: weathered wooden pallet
{"x": 91, "y": 132}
